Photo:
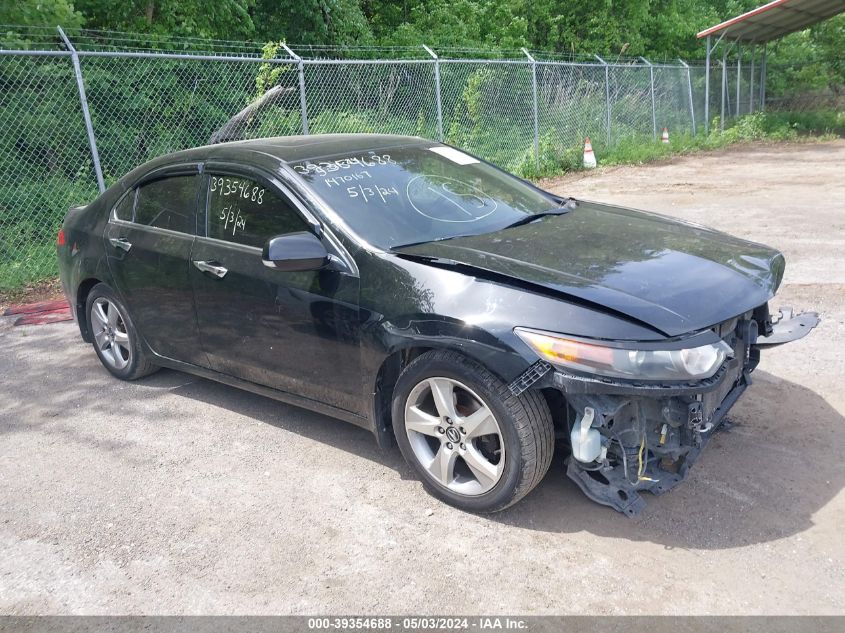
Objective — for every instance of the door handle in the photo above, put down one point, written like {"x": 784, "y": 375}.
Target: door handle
{"x": 120, "y": 242}
{"x": 211, "y": 267}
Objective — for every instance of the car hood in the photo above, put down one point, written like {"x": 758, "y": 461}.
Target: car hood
{"x": 673, "y": 276}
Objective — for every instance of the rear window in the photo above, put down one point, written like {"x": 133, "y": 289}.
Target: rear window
{"x": 123, "y": 210}
{"x": 169, "y": 203}
{"x": 418, "y": 194}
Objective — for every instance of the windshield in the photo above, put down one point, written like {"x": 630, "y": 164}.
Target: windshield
{"x": 407, "y": 195}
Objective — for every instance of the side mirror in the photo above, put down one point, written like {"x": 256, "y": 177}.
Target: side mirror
{"x": 294, "y": 252}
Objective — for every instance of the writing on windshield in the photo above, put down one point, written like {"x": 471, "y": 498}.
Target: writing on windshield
{"x": 417, "y": 194}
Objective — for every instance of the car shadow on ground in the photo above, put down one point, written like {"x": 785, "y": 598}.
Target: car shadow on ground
{"x": 759, "y": 481}
{"x": 315, "y": 426}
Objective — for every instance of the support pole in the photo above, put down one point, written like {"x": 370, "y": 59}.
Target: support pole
{"x": 689, "y": 90}
{"x": 89, "y": 128}
{"x": 437, "y": 92}
{"x": 653, "y": 103}
{"x": 763, "y": 79}
{"x": 738, "y": 77}
{"x": 707, "y": 87}
{"x": 751, "y": 83}
{"x": 302, "y": 100}
{"x": 536, "y": 110}
{"x": 724, "y": 90}
{"x": 606, "y": 96}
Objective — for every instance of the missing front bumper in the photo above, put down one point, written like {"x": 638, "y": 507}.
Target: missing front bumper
{"x": 630, "y": 437}
{"x": 664, "y": 455}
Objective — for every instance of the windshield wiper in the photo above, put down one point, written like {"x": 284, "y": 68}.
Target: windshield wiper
{"x": 568, "y": 205}
{"x": 436, "y": 239}
{"x": 536, "y": 216}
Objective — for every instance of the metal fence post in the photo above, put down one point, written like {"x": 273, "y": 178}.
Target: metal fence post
{"x": 738, "y": 77}
{"x": 437, "y": 91}
{"x": 724, "y": 89}
{"x": 707, "y": 87}
{"x": 653, "y": 104}
{"x": 536, "y": 114}
{"x": 302, "y": 101}
{"x": 89, "y": 128}
{"x": 689, "y": 90}
{"x": 763, "y": 79}
{"x": 751, "y": 83}
{"x": 606, "y": 94}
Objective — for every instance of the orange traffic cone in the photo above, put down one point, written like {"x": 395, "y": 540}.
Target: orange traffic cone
{"x": 664, "y": 138}
{"x": 589, "y": 157}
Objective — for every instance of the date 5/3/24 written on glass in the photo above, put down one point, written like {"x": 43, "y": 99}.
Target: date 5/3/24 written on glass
{"x": 230, "y": 216}
{"x": 369, "y": 193}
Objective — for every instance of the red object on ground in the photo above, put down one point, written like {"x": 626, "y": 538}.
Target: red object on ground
{"x": 42, "y": 318}
{"x": 41, "y": 306}
{"x": 41, "y": 313}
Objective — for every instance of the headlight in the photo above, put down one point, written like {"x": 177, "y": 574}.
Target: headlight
{"x": 680, "y": 364}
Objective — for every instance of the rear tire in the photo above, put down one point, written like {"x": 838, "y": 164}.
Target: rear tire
{"x": 116, "y": 340}
{"x": 472, "y": 443}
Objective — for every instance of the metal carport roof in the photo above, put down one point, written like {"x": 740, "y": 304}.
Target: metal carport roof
{"x": 776, "y": 19}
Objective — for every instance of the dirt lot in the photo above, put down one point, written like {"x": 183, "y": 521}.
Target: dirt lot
{"x": 178, "y": 495}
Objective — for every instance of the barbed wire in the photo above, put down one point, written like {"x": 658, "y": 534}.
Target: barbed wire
{"x": 19, "y": 37}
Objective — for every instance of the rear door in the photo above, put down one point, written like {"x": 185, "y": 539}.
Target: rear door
{"x": 149, "y": 238}
{"x": 293, "y": 331}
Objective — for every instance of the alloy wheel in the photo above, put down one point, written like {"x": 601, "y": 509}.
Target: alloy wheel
{"x": 455, "y": 436}
{"x": 110, "y": 333}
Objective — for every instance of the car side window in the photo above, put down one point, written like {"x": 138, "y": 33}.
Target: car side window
{"x": 123, "y": 209}
{"x": 245, "y": 211}
{"x": 168, "y": 203}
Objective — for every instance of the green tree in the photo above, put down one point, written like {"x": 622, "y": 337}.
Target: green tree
{"x": 334, "y": 22}
{"x": 452, "y": 24}
{"x": 220, "y": 19}
{"x": 40, "y": 13}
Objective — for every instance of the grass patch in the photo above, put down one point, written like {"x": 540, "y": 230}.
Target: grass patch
{"x": 30, "y": 293}
{"x": 634, "y": 150}
{"x": 28, "y": 265}
{"x": 760, "y": 126}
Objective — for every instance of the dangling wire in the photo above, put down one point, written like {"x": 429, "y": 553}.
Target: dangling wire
{"x": 642, "y": 465}
{"x": 641, "y": 454}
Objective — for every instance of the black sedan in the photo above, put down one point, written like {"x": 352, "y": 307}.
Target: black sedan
{"x": 443, "y": 304}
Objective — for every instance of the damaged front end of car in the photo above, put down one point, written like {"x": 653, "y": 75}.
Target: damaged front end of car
{"x": 640, "y": 415}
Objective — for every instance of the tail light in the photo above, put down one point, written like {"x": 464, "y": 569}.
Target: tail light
{"x": 60, "y": 238}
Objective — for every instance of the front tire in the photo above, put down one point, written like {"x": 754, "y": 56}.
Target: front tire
{"x": 473, "y": 443}
{"x": 116, "y": 340}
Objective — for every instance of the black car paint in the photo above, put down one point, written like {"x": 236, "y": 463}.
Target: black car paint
{"x": 332, "y": 339}
{"x": 675, "y": 277}
{"x": 295, "y": 252}
{"x": 403, "y": 304}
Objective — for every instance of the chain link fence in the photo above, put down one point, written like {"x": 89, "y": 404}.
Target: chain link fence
{"x": 142, "y": 103}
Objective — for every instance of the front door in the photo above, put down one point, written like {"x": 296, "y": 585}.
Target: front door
{"x": 149, "y": 238}
{"x": 293, "y": 331}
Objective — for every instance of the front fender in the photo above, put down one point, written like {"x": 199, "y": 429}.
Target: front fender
{"x": 407, "y": 304}
{"x": 490, "y": 349}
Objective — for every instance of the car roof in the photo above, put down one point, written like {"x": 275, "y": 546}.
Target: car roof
{"x": 269, "y": 152}
{"x": 292, "y": 149}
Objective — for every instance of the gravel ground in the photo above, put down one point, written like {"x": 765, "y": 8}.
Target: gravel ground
{"x": 177, "y": 495}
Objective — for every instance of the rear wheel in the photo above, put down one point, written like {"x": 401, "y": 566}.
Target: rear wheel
{"x": 116, "y": 340}
{"x": 471, "y": 441}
